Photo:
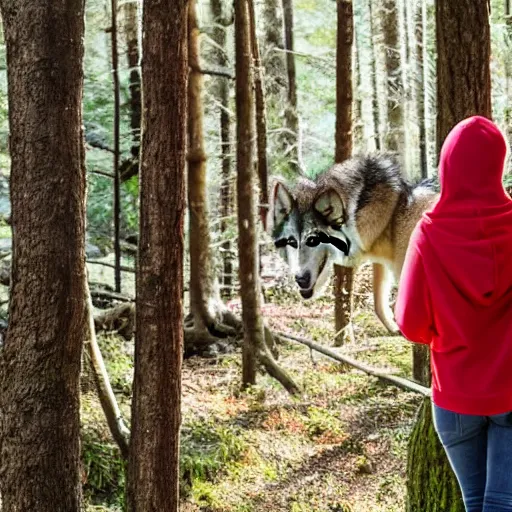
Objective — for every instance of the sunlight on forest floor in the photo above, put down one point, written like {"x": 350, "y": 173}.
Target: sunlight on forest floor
{"x": 341, "y": 446}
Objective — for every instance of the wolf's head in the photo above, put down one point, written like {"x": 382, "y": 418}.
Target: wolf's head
{"x": 337, "y": 218}
{"x": 310, "y": 232}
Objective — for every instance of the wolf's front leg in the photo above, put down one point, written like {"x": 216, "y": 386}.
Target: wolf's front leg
{"x": 382, "y": 284}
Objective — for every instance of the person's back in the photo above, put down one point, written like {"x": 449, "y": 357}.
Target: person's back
{"x": 456, "y": 295}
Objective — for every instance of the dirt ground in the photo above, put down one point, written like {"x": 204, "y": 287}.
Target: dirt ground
{"x": 340, "y": 446}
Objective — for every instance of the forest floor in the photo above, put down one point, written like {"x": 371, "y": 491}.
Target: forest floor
{"x": 340, "y": 446}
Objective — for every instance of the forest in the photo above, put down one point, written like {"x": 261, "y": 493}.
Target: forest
{"x": 159, "y": 350}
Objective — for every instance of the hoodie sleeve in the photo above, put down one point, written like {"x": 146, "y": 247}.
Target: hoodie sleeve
{"x": 413, "y": 311}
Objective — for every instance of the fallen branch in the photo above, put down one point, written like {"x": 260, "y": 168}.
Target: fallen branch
{"x": 111, "y": 265}
{"x": 104, "y": 294}
{"x": 108, "y": 401}
{"x": 214, "y": 72}
{"x": 400, "y": 382}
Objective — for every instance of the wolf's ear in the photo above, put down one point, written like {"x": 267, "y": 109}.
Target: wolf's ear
{"x": 329, "y": 206}
{"x": 281, "y": 204}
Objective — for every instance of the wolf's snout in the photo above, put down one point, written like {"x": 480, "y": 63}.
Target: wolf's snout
{"x": 304, "y": 279}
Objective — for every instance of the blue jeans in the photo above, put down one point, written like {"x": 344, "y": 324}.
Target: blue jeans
{"x": 480, "y": 451}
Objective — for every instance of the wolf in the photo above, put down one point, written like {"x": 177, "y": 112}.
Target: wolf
{"x": 358, "y": 211}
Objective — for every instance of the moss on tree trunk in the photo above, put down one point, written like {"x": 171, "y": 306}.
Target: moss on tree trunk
{"x": 431, "y": 483}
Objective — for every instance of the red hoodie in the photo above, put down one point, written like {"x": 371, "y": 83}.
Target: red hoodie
{"x": 455, "y": 291}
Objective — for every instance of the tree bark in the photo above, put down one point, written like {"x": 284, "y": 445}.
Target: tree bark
{"x": 117, "y": 125}
{"x": 463, "y": 63}
{"x": 130, "y": 167}
{"x": 273, "y": 57}
{"x": 153, "y": 473}
{"x": 420, "y": 84}
{"x": 204, "y": 292}
{"x": 358, "y": 129}
{"x": 255, "y": 347}
{"x": 431, "y": 484}
{"x": 261, "y": 118}
{"x": 247, "y": 243}
{"x": 40, "y": 360}
{"x": 375, "y": 92}
{"x": 291, "y": 117}
{"x": 395, "y": 134}
{"x": 344, "y": 276}
{"x": 222, "y": 92}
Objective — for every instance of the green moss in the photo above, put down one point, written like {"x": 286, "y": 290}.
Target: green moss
{"x": 207, "y": 450}
{"x": 431, "y": 486}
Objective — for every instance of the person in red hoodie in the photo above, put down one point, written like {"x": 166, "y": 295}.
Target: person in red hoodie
{"x": 455, "y": 295}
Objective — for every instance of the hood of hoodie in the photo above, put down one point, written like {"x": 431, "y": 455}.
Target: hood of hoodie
{"x": 469, "y": 230}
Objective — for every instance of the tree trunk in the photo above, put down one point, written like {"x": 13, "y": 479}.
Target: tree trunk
{"x": 273, "y": 55}
{"x": 395, "y": 134}
{"x": 431, "y": 484}
{"x": 261, "y": 118}
{"x": 344, "y": 276}
{"x": 204, "y": 292}
{"x": 116, "y": 170}
{"x": 40, "y": 360}
{"x": 254, "y": 348}
{"x": 154, "y": 448}
{"x": 291, "y": 116}
{"x": 358, "y": 131}
{"x": 375, "y": 92}
{"x": 420, "y": 84}
{"x": 463, "y": 63}
{"x": 222, "y": 89}
{"x": 421, "y": 364}
{"x": 420, "y": 353}
{"x": 130, "y": 167}
{"x": 464, "y": 89}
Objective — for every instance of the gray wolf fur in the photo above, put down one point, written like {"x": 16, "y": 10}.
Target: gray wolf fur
{"x": 358, "y": 211}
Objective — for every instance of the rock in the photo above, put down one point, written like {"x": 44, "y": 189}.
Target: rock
{"x": 92, "y": 251}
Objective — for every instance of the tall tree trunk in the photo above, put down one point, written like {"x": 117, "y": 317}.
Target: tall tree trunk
{"x": 154, "y": 448}
{"x": 203, "y": 282}
{"x": 254, "y": 348}
{"x": 117, "y": 149}
{"x": 408, "y": 59}
{"x": 358, "y": 131}
{"x": 420, "y": 353}
{"x": 420, "y": 84}
{"x": 222, "y": 88}
{"x": 261, "y": 117}
{"x": 273, "y": 55}
{"x": 291, "y": 138}
{"x": 40, "y": 361}
{"x": 344, "y": 276}
{"x": 130, "y": 167}
{"x": 464, "y": 89}
{"x": 463, "y": 70}
{"x": 395, "y": 134}
{"x": 375, "y": 92}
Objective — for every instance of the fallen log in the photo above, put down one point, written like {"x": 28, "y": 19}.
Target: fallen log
{"x": 120, "y": 319}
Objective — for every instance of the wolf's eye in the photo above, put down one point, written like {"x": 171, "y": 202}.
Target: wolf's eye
{"x": 283, "y": 242}
{"x": 292, "y": 242}
{"x": 312, "y": 241}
